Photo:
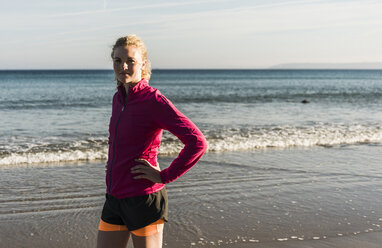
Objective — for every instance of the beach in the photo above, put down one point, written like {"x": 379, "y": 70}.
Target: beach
{"x": 241, "y": 199}
{"x": 279, "y": 171}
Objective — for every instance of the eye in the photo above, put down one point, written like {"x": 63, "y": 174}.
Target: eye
{"x": 117, "y": 61}
{"x": 131, "y": 61}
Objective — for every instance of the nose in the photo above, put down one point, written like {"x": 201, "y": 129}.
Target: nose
{"x": 125, "y": 66}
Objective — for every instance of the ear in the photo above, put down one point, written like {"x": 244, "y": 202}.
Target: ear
{"x": 143, "y": 65}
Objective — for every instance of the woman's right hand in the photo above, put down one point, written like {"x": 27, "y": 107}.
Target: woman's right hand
{"x": 147, "y": 171}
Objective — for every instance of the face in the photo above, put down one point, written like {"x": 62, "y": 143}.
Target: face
{"x": 128, "y": 64}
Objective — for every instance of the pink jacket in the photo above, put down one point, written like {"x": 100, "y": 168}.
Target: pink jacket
{"x": 135, "y": 131}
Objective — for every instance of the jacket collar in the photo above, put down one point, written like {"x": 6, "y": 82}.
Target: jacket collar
{"x": 133, "y": 90}
{"x": 139, "y": 86}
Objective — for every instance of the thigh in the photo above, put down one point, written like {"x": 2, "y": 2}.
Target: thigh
{"x": 117, "y": 239}
{"x": 151, "y": 241}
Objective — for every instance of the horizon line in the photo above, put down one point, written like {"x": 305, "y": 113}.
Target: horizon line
{"x": 190, "y": 69}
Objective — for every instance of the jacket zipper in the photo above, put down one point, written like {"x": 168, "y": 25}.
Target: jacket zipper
{"x": 115, "y": 138}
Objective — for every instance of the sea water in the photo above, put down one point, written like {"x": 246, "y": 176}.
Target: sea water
{"x": 55, "y": 116}
{"x": 276, "y": 170}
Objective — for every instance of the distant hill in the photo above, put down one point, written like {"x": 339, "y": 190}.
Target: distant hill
{"x": 364, "y": 66}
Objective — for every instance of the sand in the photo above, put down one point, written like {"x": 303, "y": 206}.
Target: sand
{"x": 78, "y": 229}
{"x": 238, "y": 199}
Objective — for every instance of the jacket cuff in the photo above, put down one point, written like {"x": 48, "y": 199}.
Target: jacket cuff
{"x": 164, "y": 176}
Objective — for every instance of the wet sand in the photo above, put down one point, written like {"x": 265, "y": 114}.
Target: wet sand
{"x": 77, "y": 229}
{"x": 269, "y": 198}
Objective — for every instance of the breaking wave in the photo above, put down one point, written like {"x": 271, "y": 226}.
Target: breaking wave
{"x": 219, "y": 140}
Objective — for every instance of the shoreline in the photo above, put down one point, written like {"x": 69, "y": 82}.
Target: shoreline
{"x": 75, "y": 229}
{"x": 232, "y": 199}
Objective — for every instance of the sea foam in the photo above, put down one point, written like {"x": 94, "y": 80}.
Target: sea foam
{"x": 219, "y": 140}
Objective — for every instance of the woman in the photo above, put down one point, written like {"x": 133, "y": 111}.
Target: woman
{"x": 136, "y": 199}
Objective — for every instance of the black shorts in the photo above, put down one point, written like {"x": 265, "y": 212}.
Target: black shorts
{"x": 136, "y": 212}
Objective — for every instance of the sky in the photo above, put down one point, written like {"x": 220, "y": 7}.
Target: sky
{"x": 182, "y": 34}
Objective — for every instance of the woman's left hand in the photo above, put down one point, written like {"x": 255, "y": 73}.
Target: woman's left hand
{"x": 146, "y": 171}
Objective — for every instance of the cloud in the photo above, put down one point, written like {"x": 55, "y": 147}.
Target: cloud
{"x": 260, "y": 32}
{"x": 104, "y": 10}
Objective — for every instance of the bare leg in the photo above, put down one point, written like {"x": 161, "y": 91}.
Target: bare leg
{"x": 152, "y": 241}
{"x": 117, "y": 239}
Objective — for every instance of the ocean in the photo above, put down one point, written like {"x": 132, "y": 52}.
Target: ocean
{"x": 293, "y": 155}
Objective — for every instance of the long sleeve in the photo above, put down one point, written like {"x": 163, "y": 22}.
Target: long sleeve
{"x": 168, "y": 117}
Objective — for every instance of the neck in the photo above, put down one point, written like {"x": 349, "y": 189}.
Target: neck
{"x": 128, "y": 85}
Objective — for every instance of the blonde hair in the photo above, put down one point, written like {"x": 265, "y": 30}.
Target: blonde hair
{"x": 133, "y": 40}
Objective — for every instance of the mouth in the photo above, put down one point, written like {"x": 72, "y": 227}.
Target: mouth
{"x": 124, "y": 74}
